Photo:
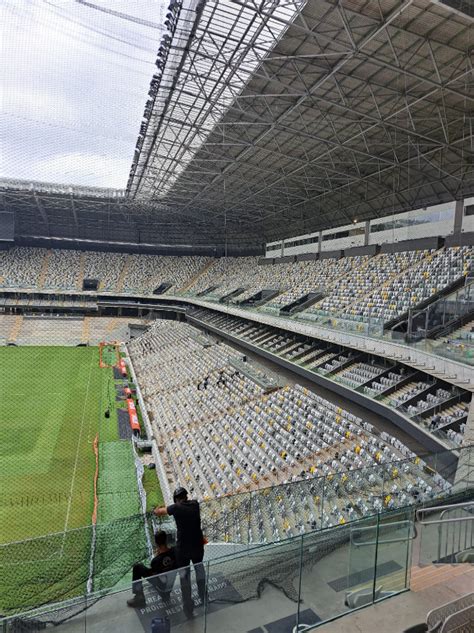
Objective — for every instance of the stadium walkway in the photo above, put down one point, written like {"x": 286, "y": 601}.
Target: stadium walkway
{"x": 267, "y": 614}
{"x": 322, "y": 590}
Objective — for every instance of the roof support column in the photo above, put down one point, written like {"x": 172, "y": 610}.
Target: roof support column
{"x": 367, "y": 233}
{"x": 465, "y": 471}
{"x": 458, "y": 216}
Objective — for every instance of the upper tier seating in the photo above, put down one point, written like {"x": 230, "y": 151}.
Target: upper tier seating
{"x": 20, "y": 267}
{"x": 116, "y": 272}
{"x": 426, "y": 278}
{"x": 312, "y": 276}
{"x": 368, "y": 274}
{"x": 146, "y": 272}
{"x": 105, "y": 267}
{"x": 228, "y": 274}
{"x": 63, "y": 270}
{"x": 381, "y": 287}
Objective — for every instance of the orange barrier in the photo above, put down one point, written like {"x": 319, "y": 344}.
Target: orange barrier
{"x": 132, "y": 414}
{"x": 123, "y": 368}
{"x": 128, "y": 392}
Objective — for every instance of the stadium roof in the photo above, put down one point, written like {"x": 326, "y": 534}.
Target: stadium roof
{"x": 272, "y": 119}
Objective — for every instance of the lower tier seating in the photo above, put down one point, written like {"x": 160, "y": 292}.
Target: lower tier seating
{"x": 220, "y": 433}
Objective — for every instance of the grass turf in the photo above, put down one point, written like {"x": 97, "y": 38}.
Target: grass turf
{"x": 52, "y": 412}
{"x": 56, "y": 401}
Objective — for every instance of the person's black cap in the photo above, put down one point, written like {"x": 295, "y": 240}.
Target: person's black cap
{"x": 180, "y": 493}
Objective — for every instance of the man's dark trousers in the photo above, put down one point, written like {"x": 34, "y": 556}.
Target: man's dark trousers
{"x": 185, "y": 558}
{"x": 141, "y": 571}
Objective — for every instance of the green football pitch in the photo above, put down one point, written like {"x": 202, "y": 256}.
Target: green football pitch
{"x": 53, "y": 408}
{"x": 54, "y": 398}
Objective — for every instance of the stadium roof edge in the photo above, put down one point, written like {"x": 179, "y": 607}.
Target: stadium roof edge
{"x": 60, "y": 189}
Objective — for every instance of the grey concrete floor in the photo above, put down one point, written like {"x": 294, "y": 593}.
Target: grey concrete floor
{"x": 397, "y": 614}
{"x": 390, "y": 616}
{"x": 111, "y": 614}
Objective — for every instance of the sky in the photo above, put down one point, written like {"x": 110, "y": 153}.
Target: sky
{"x": 74, "y": 81}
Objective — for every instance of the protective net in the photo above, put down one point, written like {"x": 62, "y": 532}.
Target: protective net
{"x": 64, "y": 559}
{"x": 230, "y": 580}
{"x": 109, "y": 355}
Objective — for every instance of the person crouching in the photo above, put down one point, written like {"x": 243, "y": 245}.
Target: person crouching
{"x": 164, "y": 561}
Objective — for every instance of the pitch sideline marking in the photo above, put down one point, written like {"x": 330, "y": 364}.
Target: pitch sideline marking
{"x": 77, "y": 454}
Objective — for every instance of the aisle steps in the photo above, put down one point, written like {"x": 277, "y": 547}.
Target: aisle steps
{"x": 15, "y": 329}
{"x": 199, "y": 274}
{"x": 44, "y": 269}
{"x": 424, "y": 577}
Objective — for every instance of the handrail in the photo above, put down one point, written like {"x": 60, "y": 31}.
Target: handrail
{"x": 449, "y": 608}
{"x": 460, "y": 507}
{"x": 411, "y": 536}
{"x": 420, "y": 512}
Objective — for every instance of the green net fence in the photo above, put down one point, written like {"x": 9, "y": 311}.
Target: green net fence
{"x": 57, "y": 567}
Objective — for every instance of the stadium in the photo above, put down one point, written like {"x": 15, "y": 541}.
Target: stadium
{"x": 236, "y": 257}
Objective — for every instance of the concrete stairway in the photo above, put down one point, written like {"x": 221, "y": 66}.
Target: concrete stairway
{"x": 15, "y": 329}
{"x": 80, "y": 273}
{"x": 424, "y": 577}
{"x": 199, "y": 274}
{"x": 123, "y": 274}
{"x": 44, "y": 269}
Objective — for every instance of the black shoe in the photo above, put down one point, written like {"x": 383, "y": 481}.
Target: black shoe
{"x": 137, "y": 602}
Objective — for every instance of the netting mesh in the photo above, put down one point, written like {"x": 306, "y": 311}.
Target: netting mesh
{"x": 63, "y": 560}
{"x": 51, "y": 138}
{"x": 247, "y": 575}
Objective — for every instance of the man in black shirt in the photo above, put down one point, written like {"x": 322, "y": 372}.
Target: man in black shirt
{"x": 189, "y": 545}
{"x": 163, "y": 562}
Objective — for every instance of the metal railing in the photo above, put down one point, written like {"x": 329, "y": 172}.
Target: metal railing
{"x": 455, "y": 534}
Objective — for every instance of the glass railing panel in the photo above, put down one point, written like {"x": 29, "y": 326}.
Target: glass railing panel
{"x": 429, "y": 539}
{"x": 362, "y": 559}
{"x": 158, "y": 598}
{"x": 395, "y": 535}
{"x": 325, "y": 575}
{"x": 260, "y": 587}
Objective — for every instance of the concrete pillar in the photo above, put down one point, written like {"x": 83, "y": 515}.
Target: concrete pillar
{"x": 320, "y": 241}
{"x": 458, "y": 216}
{"x": 465, "y": 471}
{"x": 367, "y": 233}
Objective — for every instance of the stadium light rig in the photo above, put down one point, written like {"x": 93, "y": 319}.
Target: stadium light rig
{"x": 171, "y": 23}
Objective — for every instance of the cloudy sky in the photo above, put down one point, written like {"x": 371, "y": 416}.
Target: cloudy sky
{"x": 74, "y": 83}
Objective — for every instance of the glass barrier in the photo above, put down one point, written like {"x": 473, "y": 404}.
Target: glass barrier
{"x": 423, "y": 322}
{"x": 302, "y": 581}
{"x": 276, "y": 544}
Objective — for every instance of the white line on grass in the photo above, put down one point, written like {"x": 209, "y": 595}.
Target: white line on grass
{"x": 77, "y": 453}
